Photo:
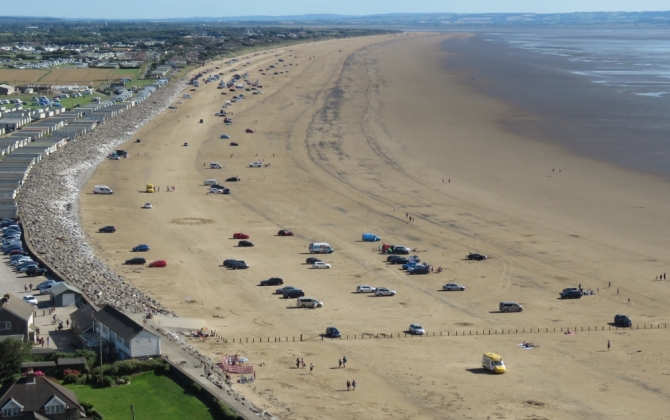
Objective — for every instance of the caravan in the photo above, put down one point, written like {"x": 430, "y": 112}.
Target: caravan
{"x": 320, "y": 248}
{"x": 102, "y": 189}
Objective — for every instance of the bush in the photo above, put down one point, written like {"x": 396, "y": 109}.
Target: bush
{"x": 123, "y": 380}
{"x": 71, "y": 379}
{"x": 224, "y": 412}
{"x": 88, "y": 407}
{"x": 107, "y": 381}
{"x": 196, "y": 388}
{"x": 68, "y": 372}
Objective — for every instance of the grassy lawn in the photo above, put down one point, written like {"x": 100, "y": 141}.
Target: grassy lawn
{"x": 152, "y": 396}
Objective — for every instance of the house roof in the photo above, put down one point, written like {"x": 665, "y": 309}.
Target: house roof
{"x": 71, "y": 360}
{"x": 83, "y": 317}
{"x": 63, "y": 288}
{"x": 17, "y": 306}
{"x": 118, "y": 322}
{"x": 33, "y": 396}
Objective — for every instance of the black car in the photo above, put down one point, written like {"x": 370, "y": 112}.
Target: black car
{"x": 35, "y": 271}
{"x": 622, "y": 321}
{"x": 571, "y": 294}
{"x": 228, "y": 263}
{"x": 393, "y": 257}
{"x": 226, "y": 191}
{"x": 107, "y": 229}
{"x": 400, "y": 260}
{"x": 294, "y": 293}
{"x": 136, "y": 261}
{"x": 239, "y": 265}
{"x": 245, "y": 243}
{"x": 420, "y": 269}
{"x": 272, "y": 281}
{"x": 284, "y": 289}
{"x": 233, "y": 144}
{"x": 312, "y": 260}
{"x": 218, "y": 187}
{"x": 332, "y": 332}
{"x": 476, "y": 257}
{"x": 233, "y": 179}
{"x": 401, "y": 251}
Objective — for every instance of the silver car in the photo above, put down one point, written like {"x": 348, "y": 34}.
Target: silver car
{"x": 416, "y": 329}
{"x": 383, "y": 291}
{"x": 453, "y": 286}
{"x": 365, "y": 289}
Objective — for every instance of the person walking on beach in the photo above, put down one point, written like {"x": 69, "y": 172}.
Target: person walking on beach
{"x": 608, "y": 345}
{"x": 353, "y": 384}
{"x": 25, "y": 288}
{"x": 30, "y": 286}
{"x": 311, "y": 368}
{"x": 348, "y": 384}
{"x": 610, "y": 284}
{"x": 303, "y": 363}
{"x": 344, "y": 361}
{"x": 339, "y": 363}
{"x": 297, "y": 363}
{"x": 617, "y": 290}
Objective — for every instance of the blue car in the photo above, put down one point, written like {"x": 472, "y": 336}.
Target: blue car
{"x": 332, "y": 332}
{"x": 141, "y": 248}
{"x": 409, "y": 265}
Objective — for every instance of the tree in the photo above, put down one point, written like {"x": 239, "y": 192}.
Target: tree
{"x": 12, "y": 354}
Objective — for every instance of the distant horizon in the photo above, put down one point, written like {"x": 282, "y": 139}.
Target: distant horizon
{"x": 310, "y": 15}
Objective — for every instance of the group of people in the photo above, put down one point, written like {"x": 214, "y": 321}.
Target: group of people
{"x": 342, "y": 362}
{"x": 351, "y": 384}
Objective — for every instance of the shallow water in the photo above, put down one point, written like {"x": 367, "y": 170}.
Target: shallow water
{"x": 602, "y": 93}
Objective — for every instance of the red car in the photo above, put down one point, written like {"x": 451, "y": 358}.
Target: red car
{"x": 240, "y": 236}
{"x": 250, "y": 130}
{"x": 158, "y": 263}
{"x": 285, "y": 233}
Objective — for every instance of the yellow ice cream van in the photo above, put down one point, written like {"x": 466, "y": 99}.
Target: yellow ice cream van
{"x": 150, "y": 188}
{"x": 493, "y": 362}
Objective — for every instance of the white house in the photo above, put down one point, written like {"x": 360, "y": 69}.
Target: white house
{"x": 128, "y": 338}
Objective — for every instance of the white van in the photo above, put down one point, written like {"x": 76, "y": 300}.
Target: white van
{"x": 308, "y": 302}
{"x": 215, "y": 165}
{"x": 210, "y": 182}
{"x": 102, "y": 189}
{"x": 320, "y": 248}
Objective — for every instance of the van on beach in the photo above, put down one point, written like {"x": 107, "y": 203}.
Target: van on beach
{"x": 493, "y": 362}
{"x": 215, "y": 165}
{"x": 210, "y": 182}
{"x": 369, "y": 237}
{"x": 102, "y": 189}
{"x": 320, "y": 248}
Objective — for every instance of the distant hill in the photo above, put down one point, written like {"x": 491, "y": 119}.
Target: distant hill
{"x": 416, "y": 19}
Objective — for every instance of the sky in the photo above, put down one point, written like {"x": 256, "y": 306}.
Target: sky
{"x": 153, "y": 9}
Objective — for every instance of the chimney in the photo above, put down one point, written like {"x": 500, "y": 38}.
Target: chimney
{"x": 30, "y": 377}
{"x": 5, "y": 298}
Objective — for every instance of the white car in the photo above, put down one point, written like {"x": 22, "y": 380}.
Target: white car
{"x": 416, "y": 329}
{"x": 365, "y": 289}
{"x": 147, "y": 206}
{"x": 453, "y": 286}
{"x": 320, "y": 264}
{"x": 383, "y": 291}
{"x": 30, "y": 299}
{"x": 216, "y": 190}
{"x": 256, "y": 165}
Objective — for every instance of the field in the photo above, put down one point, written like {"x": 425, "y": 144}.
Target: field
{"x": 94, "y": 77}
{"x": 360, "y": 135}
{"x": 152, "y": 397}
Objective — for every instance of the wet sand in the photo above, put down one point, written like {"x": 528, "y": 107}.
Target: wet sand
{"x": 361, "y": 127}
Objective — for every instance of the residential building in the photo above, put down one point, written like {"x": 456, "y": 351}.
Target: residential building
{"x": 16, "y": 318}
{"x": 6, "y": 89}
{"x": 36, "y": 397}
{"x": 125, "y": 337}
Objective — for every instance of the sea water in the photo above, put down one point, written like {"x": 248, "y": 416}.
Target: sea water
{"x": 600, "y": 92}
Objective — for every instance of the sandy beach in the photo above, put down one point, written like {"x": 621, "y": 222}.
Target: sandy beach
{"x": 359, "y": 135}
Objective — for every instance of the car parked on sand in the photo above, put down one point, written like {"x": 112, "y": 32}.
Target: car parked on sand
{"x": 229, "y": 262}
{"x": 383, "y": 291}
{"x": 333, "y": 332}
{"x": 420, "y": 269}
{"x": 107, "y": 229}
{"x": 622, "y": 321}
{"x": 256, "y": 165}
{"x": 312, "y": 260}
{"x": 233, "y": 179}
{"x": 158, "y": 263}
{"x": 225, "y": 136}
{"x": 240, "y": 235}
{"x": 393, "y": 257}
{"x": 320, "y": 264}
{"x": 476, "y": 257}
{"x": 232, "y": 143}
{"x": 272, "y": 281}
{"x": 571, "y": 294}
{"x": 294, "y": 293}
{"x": 136, "y": 261}
{"x": 239, "y": 265}
{"x": 365, "y": 289}
{"x": 453, "y": 286}
{"x": 250, "y": 130}
{"x": 416, "y": 329}
{"x": 30, "y": 299}
{"x": 284, "y": 289}
{"x": 147, "y": 206}
{"x": 141, "y": 248}
{"x": 245, "y": 244}
{"x": 308, "y": 302}
{"x": 399, "y": 261}
{"x": 284, "y": 232}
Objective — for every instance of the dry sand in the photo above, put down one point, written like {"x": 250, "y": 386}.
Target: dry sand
{"x": 363, "y": 126}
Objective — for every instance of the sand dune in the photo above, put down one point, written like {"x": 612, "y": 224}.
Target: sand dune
{"x": 357, "y": 128}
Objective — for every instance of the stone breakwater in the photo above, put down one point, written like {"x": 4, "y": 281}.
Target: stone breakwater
{"x": 48, "y": 206}
{"x": 48, "y": 211}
